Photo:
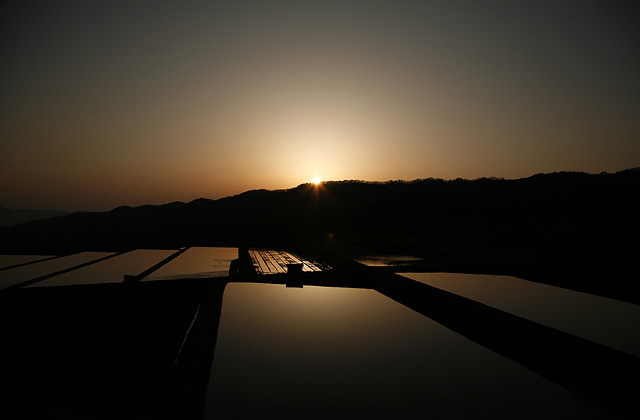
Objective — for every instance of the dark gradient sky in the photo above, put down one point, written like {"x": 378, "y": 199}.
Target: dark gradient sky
{"x": 108, "y": 103}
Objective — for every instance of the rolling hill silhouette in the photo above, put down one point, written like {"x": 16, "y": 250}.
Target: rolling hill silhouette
{"x": 565, "y": 224}
{"x": 9, "y": 217}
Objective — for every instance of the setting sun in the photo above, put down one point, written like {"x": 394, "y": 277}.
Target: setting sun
{"x": 316, "y": 180}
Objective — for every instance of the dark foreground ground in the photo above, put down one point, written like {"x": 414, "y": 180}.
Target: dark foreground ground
{"x": 144, "y": 350}
{"x": 106, "y": 351}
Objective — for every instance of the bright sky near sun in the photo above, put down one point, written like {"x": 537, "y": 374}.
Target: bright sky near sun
{"x": 109, "y": 103}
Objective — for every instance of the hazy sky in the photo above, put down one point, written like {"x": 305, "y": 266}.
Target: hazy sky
{"x": 108, "y": 103}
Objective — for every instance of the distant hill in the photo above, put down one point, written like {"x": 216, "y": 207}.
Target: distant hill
{"x": 573, "y": 229}
{"x": 10, "y": 217}
{"x": 560, "y": 208}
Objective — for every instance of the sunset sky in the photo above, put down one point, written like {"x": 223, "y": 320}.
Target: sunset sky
{"x": 109, "y": 103}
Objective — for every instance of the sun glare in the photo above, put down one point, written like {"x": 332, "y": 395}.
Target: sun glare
{"x": 316, "y": 180}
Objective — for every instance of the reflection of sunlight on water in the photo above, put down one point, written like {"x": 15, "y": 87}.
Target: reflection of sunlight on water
{"x": 606, "y": 321}
{"x": 111, "y": 270}
{"x": 337, "y": 353}
{"x": 386, "y": 260}
{"x": 10, "y": 260}
{"x": 20, "y": 274}
{"x": 304, "y": 312}
{"x": 197, "y": 262}
{"x": 205, "y": 274}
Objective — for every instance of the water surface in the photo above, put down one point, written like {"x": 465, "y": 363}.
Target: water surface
{"x": 197, "y": 262}
{"x": 351, "y": 353}
{"x": 32, "y": 271}
{"x": 386, "y": 260}
{"x": 111, "y": 270}
{"x": 606, "y": 321}
{"x": 10, "y": 260}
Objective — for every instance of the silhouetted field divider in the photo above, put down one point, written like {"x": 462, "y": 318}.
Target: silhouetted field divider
{"x": 593, "y": 372}
{"x": 66, "y": 270}
{"x": 189, "y": 377}
{"x": 145, "y": 273}
{"x": 596, "y": 375}
{"x": 34, "y": 262}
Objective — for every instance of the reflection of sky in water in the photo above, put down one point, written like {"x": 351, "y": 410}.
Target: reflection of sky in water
{"x": 111, "y": 270}
{"x": 603, "y": 320}
{"x": 345, "y": 353}
{"x": 386, "y": 260}
{"x": 32, "y": 271}
{"x": 197, "y": 262}
{"x": 10, "y": 260}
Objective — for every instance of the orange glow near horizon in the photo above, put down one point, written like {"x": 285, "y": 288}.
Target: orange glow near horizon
{"x": 210, "y": 101}
{"x": 317, "y": 180}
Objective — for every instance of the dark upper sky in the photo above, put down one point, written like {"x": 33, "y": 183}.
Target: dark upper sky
{"x": 107, "y": 103}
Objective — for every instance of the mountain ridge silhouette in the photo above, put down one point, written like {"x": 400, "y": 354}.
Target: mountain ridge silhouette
{"x": 573, "y": 229}
{"x": 552, "y": 203}
{"x": 10, "y": 217}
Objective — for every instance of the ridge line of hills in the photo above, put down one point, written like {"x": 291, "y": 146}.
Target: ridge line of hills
{"x": 561, "y": 202}
{"x": 571, "y": 229}
{"x": 10, "y": 217}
